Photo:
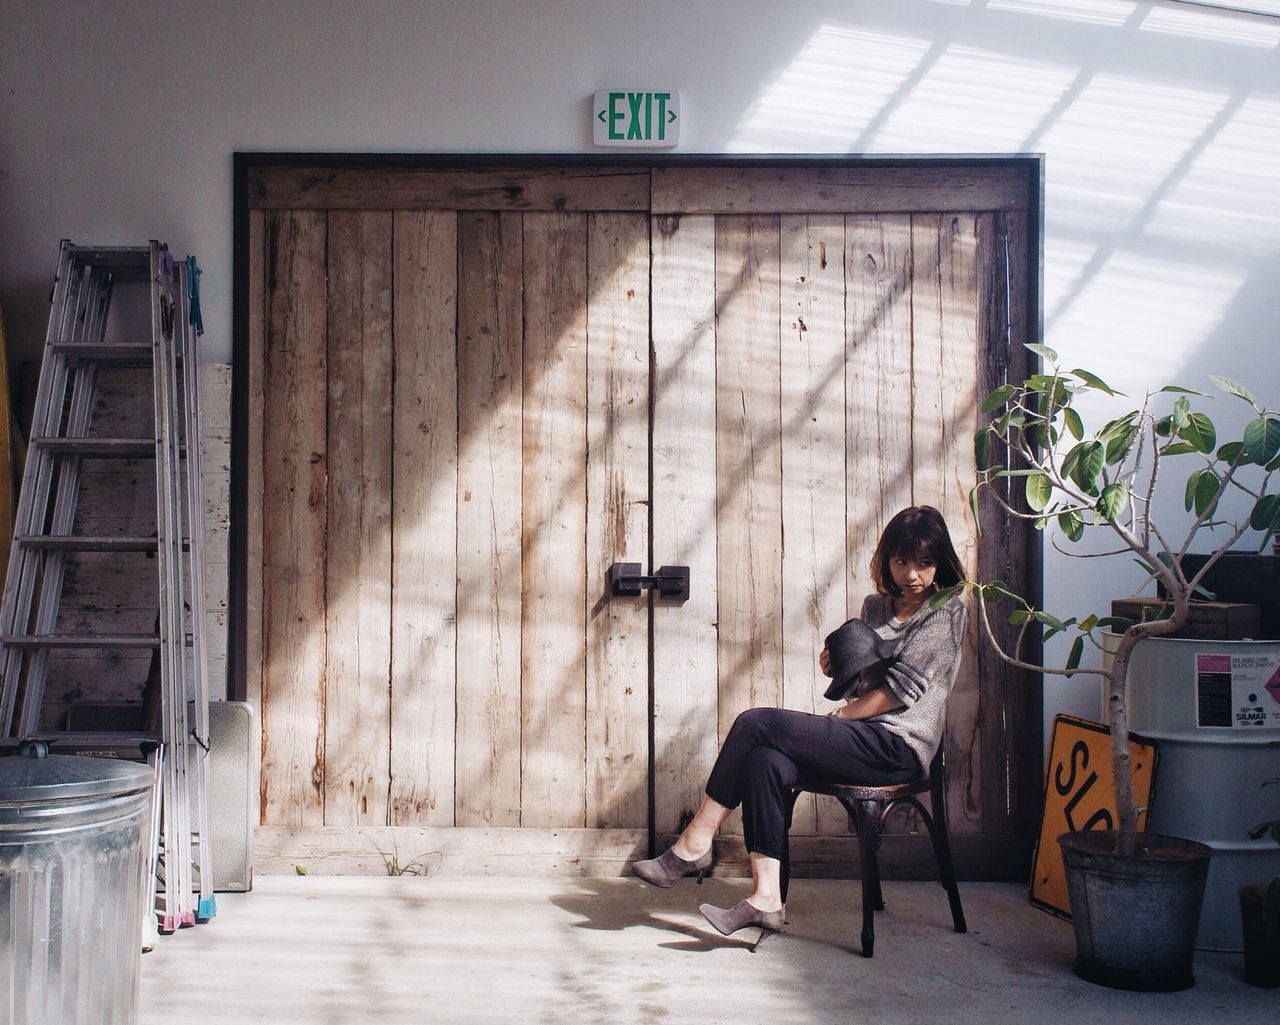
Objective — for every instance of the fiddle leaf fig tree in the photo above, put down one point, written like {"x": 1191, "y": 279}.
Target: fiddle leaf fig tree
{"x": 1039, "y": 460}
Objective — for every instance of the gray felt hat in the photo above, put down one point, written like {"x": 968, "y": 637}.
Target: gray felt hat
{"x": 855, "y": 648}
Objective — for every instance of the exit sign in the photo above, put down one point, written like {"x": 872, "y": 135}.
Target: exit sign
{"x": 631, "y": 118}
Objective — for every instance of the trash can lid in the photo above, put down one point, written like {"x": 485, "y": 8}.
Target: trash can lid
{"x": 35, "y": 776}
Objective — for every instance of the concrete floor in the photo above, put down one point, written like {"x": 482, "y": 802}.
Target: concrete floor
{"x": 331, "y": 950}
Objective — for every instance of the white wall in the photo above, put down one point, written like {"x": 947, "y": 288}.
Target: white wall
{"x": 1160, "y": 123}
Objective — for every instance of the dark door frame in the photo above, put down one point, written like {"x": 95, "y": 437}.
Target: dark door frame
{"x": 1029, "y": 167}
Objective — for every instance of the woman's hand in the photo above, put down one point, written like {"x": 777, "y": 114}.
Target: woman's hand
{"x": 824, "y": 662}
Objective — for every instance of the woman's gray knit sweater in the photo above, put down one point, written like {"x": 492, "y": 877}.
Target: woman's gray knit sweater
{"x": 930, "y": 645}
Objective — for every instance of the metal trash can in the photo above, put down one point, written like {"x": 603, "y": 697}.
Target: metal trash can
{"x": 73, "y": 836}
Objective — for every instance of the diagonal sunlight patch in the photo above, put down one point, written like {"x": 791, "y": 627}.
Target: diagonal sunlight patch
{"x": 1147, "y": 312}
{"x": 1213, "y": 26}
{"x": 1230, "y": 196}
{"x": 1117, "y": 144}
{"x": 1091, "y": 12}
{"x": 975, "y": 99}
{"x": 830, "y": 92}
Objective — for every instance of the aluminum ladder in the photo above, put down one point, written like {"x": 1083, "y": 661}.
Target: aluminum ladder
{"x": 62, "y": 442}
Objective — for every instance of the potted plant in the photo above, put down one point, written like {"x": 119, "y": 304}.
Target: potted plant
{"x": 1260, "y": 918}
{"x": 1039, "y": 461}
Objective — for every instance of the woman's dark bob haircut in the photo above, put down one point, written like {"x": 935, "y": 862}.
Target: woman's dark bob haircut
{"x": 918, "y": 532}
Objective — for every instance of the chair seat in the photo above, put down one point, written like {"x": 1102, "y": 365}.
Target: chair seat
{"x": 856, "y": 792}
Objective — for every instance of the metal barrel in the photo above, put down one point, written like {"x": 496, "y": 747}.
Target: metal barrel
{"x": 72, "y": 857}
{"x": 1207, "y": 706}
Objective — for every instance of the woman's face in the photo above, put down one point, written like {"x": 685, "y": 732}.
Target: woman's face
{"x": 913, "y": 574}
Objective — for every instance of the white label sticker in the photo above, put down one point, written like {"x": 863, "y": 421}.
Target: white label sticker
{"x": 1238, "y": 691}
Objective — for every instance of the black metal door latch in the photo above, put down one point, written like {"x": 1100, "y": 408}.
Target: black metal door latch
{"x": 671, "y": 582}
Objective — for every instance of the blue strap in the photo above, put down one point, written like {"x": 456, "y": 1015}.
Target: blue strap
{"x": 193, "y": 295}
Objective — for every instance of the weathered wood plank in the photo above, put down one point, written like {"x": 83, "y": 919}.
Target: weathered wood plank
{"x": 254, "y": 438}
{"x": 813, "y": 468}
{"x": 878, "y": 384}
{"x": 424, "y": 519}
{"x": 433, "y": 851}
{"x": 617, "y": 518}
{"x": 489, "y": 521}
{"x": 836, "y": 189}
{"x": 295, "y": 500}
{"x": 214, "y": 381}
{"x": 748, "y": 464}
{"x": 878, "y": 413}
{"x": 945, "y": 362}
{"x": 553, "y": 693}
{"x": 358, "y": 566}
{"x": 459, "y": 188}
{"x": 684, "y": 513}
{"x": 1009, "y": 716}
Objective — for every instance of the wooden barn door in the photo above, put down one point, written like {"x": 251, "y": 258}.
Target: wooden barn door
{"x": 820, "y": 352}
{"x": 481, "y": 388}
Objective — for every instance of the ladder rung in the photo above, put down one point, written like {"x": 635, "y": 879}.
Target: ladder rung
{"x": 112, "y": 256}
{"x": 81, "y": 641}
{"x": 106, "y": 352}
{"x": 99, "y": 448}
{"x": 67, "y": 543}
{"x": 109, "y": 743}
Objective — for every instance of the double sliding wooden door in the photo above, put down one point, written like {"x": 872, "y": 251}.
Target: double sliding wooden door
{"x": 472, "y": 390}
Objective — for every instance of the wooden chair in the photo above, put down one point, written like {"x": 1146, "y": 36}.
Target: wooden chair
{"x": 867, "y": 808}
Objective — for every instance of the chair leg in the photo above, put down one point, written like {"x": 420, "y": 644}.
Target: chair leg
{"x": 941, "y": 838}
{"x": 870, "y": 832}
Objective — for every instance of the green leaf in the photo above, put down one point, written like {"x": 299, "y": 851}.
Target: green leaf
{"x": 1199, "y": 432}
{"x": 1038, "y": 491}
{"x": 1208, "y": 489}
{"x": 1118, "y": 446}
{"x": 1019, "y": 616}
{"x": 1088, "y": 623}
{"x": 1274, "y": 465}
{"x": 1238, "y": 390}
{"x": 1088, "y": 468}
{"x": 1262, "y": 439}
{"x": 1093, "y": 381}
{"x": 1174, "y": 389}
{"x": 940, "y": 598}
{"x": 1266, "y": 513}
{"x": 1164, "y": 426}
{"x": 998, "y": 398}
{"x": 982, "y": 448}
{"x": 1107, "y": 622}
{"x": 1178, "y": 448}
{"x": 1049, "y": 619}
{"x": 1181, "y": 412}
{"x": 1074, "y": 424}
{"x": 1043, "y": 351}
{"x": 1071, "y": 524}
{"x": 1046, "y": 436}
{"x": 996, "y": 591}
{"x": 1120, "y": 425}
{"x": 1077, "y": 650}
{"x": 1230, "y": 452}
{"x": 1112, "y": 501}
{"x": 1189, "y": 493}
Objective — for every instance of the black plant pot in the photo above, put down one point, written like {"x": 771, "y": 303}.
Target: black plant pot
{"x": 1261, "y": 922}
{"x": 1135, "y": 918}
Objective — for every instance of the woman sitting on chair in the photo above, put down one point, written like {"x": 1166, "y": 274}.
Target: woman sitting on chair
{"x": 887, "y": 731}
